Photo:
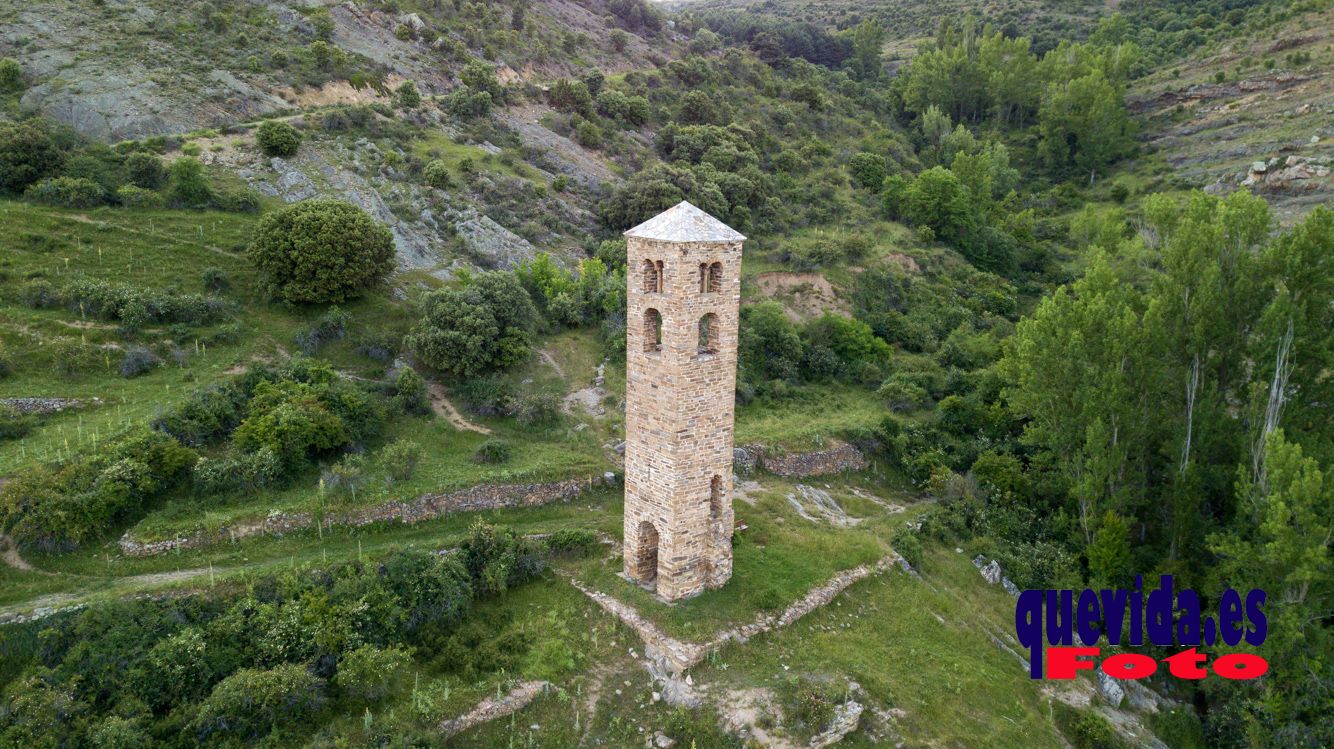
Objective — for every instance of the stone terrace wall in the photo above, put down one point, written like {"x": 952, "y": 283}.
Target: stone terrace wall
{"x": 425, "y": 507}
{"x": 840, "y": 457}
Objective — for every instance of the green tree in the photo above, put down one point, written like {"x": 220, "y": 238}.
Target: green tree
{"x": 487, "y": 324}
{"x": 867, "y": 39}
{"x": 321, "y": 250}
{"x": 277, "y": 138}
{"x": 187, "y": 187}
{"x": 868, "y": 170}
{"x": 27, "y": 154}
{"x": 1110, "y": 562}
{"x": 145, "y": 170}
{"x": 1084, "y": 125}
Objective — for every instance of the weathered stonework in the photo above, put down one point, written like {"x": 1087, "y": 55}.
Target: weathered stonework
{"x": 835, "y": 459}
{"x": 425, "y": 507}
{"x": 682, "y": 305}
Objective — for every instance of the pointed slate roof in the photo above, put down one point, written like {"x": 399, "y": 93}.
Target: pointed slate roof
{"x": 684, "y": 222}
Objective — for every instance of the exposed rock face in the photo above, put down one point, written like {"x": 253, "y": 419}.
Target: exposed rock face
{"x": 492, "y": 244}
{"x": 846, "y": 718}
{"x": 1110, "y": 688}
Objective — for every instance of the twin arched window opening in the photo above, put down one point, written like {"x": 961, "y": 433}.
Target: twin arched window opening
{"x": 710, "y": 278}
{"x": 653, "y": 276}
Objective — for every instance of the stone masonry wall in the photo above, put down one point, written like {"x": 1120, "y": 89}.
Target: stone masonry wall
{"x": 679, "y": 414}
{"x": 836, "y": 459}
{"x": 425, "y": 507}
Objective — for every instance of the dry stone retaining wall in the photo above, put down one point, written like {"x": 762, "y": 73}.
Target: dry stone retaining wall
{"x": 841, "y": 457}
{"x": 425, "y": 507}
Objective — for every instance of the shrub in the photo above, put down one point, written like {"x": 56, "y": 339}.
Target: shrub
{"x": 138, "y": 360}
{"x": 67, "y": 192}
{"x": 399, "y": 459}
{"x": 322, "y": 251}
{"x": 237, "y": 200}
{"x": 27, "y": 155}
{"x": 57, "y": 507}
{"x": 408, "y": 96}
{"x": 497, "y": 558}
{"x": 11, "y": 74}
{"x": 437, "y": 175}
{"x": 909, "y": 546}
{"x": 368, "y": 674}
{"x": 248, "y": 472}
{"x": 13, "y": 424}
{"x": 252, "y": 703}
{"x": 572, "y": 542}
{"x": 138, "y": 197}
{"x": 536, "y": 409}
{"x": 346, "y": 476}
{"x": 561, "y": 183}
{"x": 493, "y": 451}
{"x": 902, "y": 395}
{"x": 483, "y": 326}
{"x": 409, "y": 392}
{"x": 277, "y": 138}
{"x": 214, "y": 279}
{"x": 145, "y": 170}
{"x": 187, "y": 186}
{"x": 868, "y": 170}
{"x": 1085, "y": 729}
{"x": 330, "y": 327}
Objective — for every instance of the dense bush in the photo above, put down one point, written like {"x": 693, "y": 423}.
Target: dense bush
{"x": 330, "y": 327}
{"x": 131, "y": 306}
{"x": 137, "y": 361}
{"x": 277, "y": 138}
{"x": 253, "y": 702}
{"x": 138, "y": 197}
{"x": 27, "y": 154}
{"x": 145, "y": 170}
{"x": 408, "y": 392}
{"x": 493, "y": 451}
{"x": 60, "y": 506}
{"x": 187, "y": 187}
{"x": 322, "y": 251}
{"x": 487, "y": 324}
{"x": 436, "y": 174}
{"x": 67, "y": 192}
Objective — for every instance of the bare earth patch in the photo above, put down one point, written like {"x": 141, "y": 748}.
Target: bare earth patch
{"x": 443, "y": 408}
{"x": 803, "y": 295}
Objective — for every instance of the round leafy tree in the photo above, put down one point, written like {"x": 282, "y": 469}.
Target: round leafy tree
{"x": 277, "y": 138}
{"x": 322, "y": 251}
{"x": 486, "y": 325}
{"x": 27, "y": 154}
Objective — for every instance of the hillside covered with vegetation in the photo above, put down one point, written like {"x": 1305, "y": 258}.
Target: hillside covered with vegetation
{"x": 312, "y": 347}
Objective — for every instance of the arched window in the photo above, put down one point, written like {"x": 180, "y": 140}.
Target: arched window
{"x": 653, "y": 276}
{"x": 715, "y": 277}
{"x": 708, "y": 334}
{"x": 716, "y": 498}
{"x": 652, "y": 330}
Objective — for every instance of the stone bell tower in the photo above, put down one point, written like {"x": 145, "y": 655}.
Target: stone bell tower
{"x": 682, "y": 306}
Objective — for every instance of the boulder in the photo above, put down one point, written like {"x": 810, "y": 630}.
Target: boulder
{"x": 992, "y": 573}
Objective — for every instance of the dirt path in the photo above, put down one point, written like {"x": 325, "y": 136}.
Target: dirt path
{"x": 491, "y": 708}
{"x": 551, "y": 360}
{"x": 443, "y": 408}
{"x": 9, "y": 553}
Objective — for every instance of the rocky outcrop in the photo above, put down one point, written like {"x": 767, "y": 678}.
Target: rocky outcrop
{"x": 846, "y": 718}
{"x": 425, "y": 507}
